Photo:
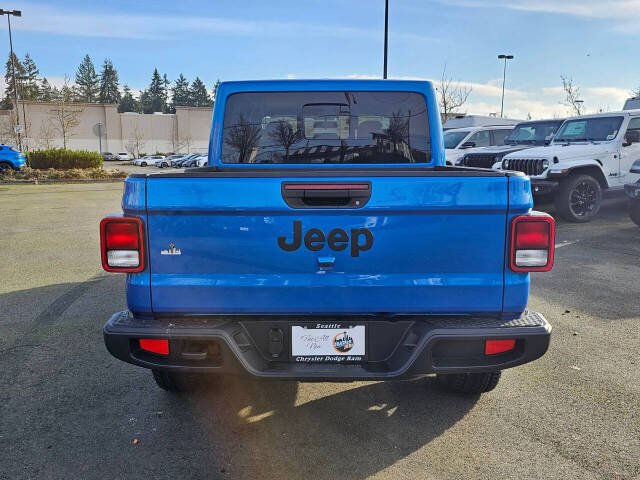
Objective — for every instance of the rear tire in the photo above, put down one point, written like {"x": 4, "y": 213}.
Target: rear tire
{"x": 143, "y": 164}
{"x": 179, "y": 381}
{"x": 469, "y": 383}
{"x": 579, "y": 198}
{"x": 634, "y": 211}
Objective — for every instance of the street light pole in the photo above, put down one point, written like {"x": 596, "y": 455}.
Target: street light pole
{"x": 24, "y": 113}
{"x": 15, "y": 13}
{"x": 504, "y": 77}
{"x": 386, "y": 35}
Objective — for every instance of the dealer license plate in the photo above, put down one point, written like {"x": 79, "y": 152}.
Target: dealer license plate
{"x": 332, "y": 343}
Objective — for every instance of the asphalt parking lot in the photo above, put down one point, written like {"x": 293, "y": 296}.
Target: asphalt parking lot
{"x": 70, "y": 410}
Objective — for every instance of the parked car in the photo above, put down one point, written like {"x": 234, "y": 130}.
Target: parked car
{"x": 195, "y": 161}
{"x": 458, "y": 141}
{"x": 109, "y": 157}
{"x": 202, "y": 161}
{"x": 632, "y": 190}
{"x": 165, "y": 162}
{"x": 309, "y": 273}
{"x": 11, "y": 158}
{"x": 524, "y": 135}
{"x": 632, "y": 103}
{"x": 124, "y": 156}
{"x": 179, "y": 162}
{"x": 147, "y": 160}
{"x": 588, "y": 154}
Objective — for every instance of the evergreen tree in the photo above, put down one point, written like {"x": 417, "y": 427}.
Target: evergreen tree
{"x": 8, "y": 76}
{"x": 153, "y": 98}
{"x": 6, "y": 103}
{"x": 45, "y": 91}
{"x": 215, "y": 89}
{"x": 127, "y": 103}
{"x": 166, "y": 86}
{"x": 30, "y": 83}
{"x": 109, "y": 91}
{"x": 180, "y": 92}
{"x": 87, "y": 86}
{"x": 144, "y": 100}
{"x": 199, "y": 95}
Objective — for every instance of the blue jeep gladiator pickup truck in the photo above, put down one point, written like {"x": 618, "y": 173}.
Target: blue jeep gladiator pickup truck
{"x": 326, "y": 240}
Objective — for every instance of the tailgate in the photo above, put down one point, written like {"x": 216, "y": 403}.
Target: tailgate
{"x": 435, "y": 245}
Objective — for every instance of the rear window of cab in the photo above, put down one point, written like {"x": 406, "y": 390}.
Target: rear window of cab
{"x": 342, "y": 127}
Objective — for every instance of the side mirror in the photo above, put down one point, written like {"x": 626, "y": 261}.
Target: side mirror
{"x": 468, "y": 145}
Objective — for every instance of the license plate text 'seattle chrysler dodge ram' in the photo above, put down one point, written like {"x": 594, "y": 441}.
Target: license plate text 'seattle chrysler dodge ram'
{"x": 327, "y": 240}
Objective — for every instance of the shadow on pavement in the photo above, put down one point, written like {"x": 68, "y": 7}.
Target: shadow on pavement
{"x": 269, "y": 431}
{"x": 74, "y": 411}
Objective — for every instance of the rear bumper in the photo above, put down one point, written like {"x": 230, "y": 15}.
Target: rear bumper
{"x": 632, "y": 190}
{"x": 543, "y": 187}
{"x": 405, "y": 347}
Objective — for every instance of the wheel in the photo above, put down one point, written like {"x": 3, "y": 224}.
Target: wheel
{"x": 180, "y": 381}
{"x": 579, "y": 198}
{"x": 143, "y": 164}
{"x": 4, "y": 167}
{"x": 469, "y": 383}
{"x": 634, "y": 211}
{"x": 164, "y": 165}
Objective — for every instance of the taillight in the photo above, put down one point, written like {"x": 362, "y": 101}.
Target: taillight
{"x": 532, "y": 242}
{"x": 122, "y": 244}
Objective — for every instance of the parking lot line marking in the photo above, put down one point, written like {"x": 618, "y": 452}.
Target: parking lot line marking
{"x": 564, "y": 244}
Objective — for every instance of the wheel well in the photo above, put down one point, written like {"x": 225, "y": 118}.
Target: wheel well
{"x": 592, "y": 171}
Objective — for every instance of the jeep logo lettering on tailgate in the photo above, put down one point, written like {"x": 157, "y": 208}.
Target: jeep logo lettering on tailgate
{"x": 338, "y": 239}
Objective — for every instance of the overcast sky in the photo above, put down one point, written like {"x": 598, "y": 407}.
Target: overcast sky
{"x": 595, "y": 42}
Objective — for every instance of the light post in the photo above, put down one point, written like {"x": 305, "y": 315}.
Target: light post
{"x": 15, "y": 13}
{"x": 24, "y": 114}
{"x": 504, "y": 77}
{"x": 386, "y": 36}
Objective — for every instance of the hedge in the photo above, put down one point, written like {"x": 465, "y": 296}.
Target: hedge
{"x": 63, "y": 159}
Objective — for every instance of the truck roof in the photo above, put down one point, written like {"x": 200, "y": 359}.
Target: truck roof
{"x": 323, "y": 84}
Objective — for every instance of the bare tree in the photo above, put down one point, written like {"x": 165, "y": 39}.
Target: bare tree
{"x": 136, "y": 142}
{"x": 46, "y": 136}
{"x": 284, "y": 134}
{"x": 8, "y": 135}
{"x": 451, "y": 95}
{"x": 636, "y": 92}
{"x": 398, "y": 129}
{"x": 65, "y": 116}
{"x": 572, "y": 96}
{"x": 243, "y": 137}
{"x": 185, "y": 142}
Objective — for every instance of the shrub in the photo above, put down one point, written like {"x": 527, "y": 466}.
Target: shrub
{"x": 62, "y": 159}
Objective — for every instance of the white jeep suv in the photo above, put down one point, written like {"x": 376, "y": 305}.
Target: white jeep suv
{"x": 588, "y": 154}
{"x": 458, "y": 141}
